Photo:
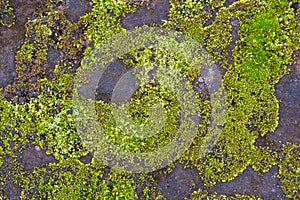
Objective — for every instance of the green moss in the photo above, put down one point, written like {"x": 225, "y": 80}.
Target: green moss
{"x": 139, "y": 106}
{"x": 7, "y": 16}
{"x": 33, "y": 52}
{"x": 268, "y": 34}
{"x": 128, "y": 141}
{"x": 260, "y": 55}
{"x": 55, "y": 118}
{"x": 263, "y": 159}
{"x": 70, "y": 179}
{"x": 104, "y": 20}
{"x": 289, "y": 170}
{"x": 88, "y": 183}
{"x": 190, "y": 17}
{"x": 49, "y": 116}
{"x": 46, "y": 30}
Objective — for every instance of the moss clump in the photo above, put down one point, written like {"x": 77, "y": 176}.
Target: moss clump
{"x": 139, "y": 106}
{"x": 148, "y": 187}
{"x": 49, "y": 116}
{"x": 76, "y": 181}
{"x": 104, "y": 20}
{"x": 44, "y": 31}
{"x": 140, "y": 115}
{"x": 253, "y": 62}
{"x": 260, "y": 56}
{"x": 289, "y": 170}
{"x": 46, "y": 120}
{"x": 7, "y": 16}
{"x": 71, "y": 179}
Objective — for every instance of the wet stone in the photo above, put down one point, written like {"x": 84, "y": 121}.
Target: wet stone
{"x": 297, "y": 66}
{"x": 250, "y": 183}
{"x": 201, "y": 87}
{"x": 53, "y": 57}
{"x": 109, "y": 79}
{"x": 86, "y": 159}
{"x": 12, "y": 191}
{"x": 178, "y": 184}
{"x": 12, "y": 38}
{"x": 34, "y": 156}
{"x": 73, "y": 9}
{"x": 295, "y": 6}
{"x": 155, "y": 13}
{"x": 229, "y": 3}
{"x": 7, "y": 76}
{"x": 234, "y": 22}
{"x": 288, "y": 95}
{"x": 235, "y": 37}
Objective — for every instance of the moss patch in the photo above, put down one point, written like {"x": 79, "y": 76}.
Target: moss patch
{"x": 7, "y": 17}
{"x": 289, "y": 170}
{"x": 268, "y": 33}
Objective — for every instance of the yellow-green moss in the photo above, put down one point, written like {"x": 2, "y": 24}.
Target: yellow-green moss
{"x": 49, "y": 29}
{"x": 139, "y": 106}
{"x": 49, "y": 116}
{"x": 260, "y": 55}
{"x": 104, "y": 20}
{"x": 7, "y": 16}
{"x": 289, "y": 170}
{"x": 269, "y": 33}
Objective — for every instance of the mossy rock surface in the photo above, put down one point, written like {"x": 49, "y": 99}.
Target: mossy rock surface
{"x": 256, "y": 46}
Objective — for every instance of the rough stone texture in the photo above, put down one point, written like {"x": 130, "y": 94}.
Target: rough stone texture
{"x": 34, "y": 156}
{"x": 179, "y": 183}
{"x": 155, "y": 13}
{"x": 250, "y": 183}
